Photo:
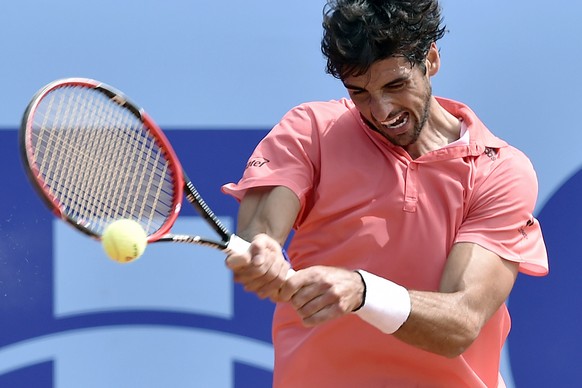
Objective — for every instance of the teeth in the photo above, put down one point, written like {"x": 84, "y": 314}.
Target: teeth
{"x": 397, "y": 121}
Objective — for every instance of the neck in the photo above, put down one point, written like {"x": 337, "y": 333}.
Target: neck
{"x": 441, "y": 129}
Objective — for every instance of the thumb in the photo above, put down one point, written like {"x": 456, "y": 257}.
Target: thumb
{"x": 238, "y": 260}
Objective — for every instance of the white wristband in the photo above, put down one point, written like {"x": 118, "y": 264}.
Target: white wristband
{"x": 386, "y": 305}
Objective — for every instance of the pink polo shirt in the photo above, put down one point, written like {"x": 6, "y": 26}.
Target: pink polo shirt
{"x": 365, "y": 204}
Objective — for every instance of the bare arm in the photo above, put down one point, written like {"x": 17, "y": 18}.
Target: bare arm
{"x": 266, "y": 216}
{"x": 269, "y": 210}
{"x": 475, "y": 283}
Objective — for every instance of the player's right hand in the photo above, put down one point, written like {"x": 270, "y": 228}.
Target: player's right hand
{"x": 262, "y": 269}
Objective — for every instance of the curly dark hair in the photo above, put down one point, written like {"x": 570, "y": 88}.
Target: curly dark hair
{"x": 358, "y": 33}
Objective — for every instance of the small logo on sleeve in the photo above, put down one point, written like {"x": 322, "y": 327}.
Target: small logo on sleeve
{"x": 523, "y": 231}
{"x": 257, "y": 162}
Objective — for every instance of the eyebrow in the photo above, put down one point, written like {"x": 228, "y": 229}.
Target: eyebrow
{"x": 395, "y": 81}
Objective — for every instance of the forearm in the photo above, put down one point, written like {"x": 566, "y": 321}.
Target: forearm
{"x": 265, "y": 218}
{"x": 440, "y": 323}
{"x": 268, "y": 210}
{"x": 474, "y": 285}
{"x": 436, "y": 322}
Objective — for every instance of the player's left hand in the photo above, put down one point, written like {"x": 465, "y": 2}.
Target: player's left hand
{"x": 320, "y": 294}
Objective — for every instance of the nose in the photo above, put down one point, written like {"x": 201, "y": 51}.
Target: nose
{"x": 380, "y": 107}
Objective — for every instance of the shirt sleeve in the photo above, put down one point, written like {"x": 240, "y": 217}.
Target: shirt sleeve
{"x": 500, "y": 216}
{"x": 288, "y": 156}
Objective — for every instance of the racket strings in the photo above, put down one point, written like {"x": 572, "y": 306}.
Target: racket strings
{"x": 99, "y": 161}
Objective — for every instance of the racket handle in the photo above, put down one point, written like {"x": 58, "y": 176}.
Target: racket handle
{"x": 237, "y": 245}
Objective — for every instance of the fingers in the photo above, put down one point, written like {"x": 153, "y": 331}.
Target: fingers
{"x": 269, "y": 283}
{"x": 316, "y": 306}
{"x": 262, "y": 269}
{"x": 320, "y": 294}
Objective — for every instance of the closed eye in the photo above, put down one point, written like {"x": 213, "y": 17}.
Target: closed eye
{"x": 356, "y": 92}
{"x": 392, "y": 86}
{"x": 354, "y": 89}
{"x": 395, "y": 86}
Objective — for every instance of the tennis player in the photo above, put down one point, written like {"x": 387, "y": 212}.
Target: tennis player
{"x": 411, "y": 219}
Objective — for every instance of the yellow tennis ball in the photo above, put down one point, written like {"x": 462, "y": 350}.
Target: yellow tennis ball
{"x": 124, "y": 240}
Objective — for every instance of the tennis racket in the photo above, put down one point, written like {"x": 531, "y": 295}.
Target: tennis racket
{"x": 96, "y": 157}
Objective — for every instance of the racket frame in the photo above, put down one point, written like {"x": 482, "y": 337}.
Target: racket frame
{"x": 183, "y": 185}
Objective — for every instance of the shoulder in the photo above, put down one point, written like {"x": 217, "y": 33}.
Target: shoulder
{"x": 319, "y": 114}
{"x": 503, "y": 160}
{"x": 504, "y": 178}
{"x": 518, "y": 167}
{"x": 326, "y": 107}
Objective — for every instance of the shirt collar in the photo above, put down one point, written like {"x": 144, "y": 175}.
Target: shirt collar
{"x": 479, "y": 136}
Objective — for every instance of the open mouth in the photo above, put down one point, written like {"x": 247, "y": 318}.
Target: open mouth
{"x": 397, "y": 121}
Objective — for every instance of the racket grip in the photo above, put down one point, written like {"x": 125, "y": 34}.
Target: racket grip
{"x": 237, "y": 245}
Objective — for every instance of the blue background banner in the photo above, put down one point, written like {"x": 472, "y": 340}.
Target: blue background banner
{"x": 217, "y": 76}
{"x": 172, "y": 318}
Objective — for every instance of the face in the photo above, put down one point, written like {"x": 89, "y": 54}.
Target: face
{"x": 393, "y": 98}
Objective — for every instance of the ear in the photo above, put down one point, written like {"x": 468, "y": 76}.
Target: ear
{"x": 433, "y": 60}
